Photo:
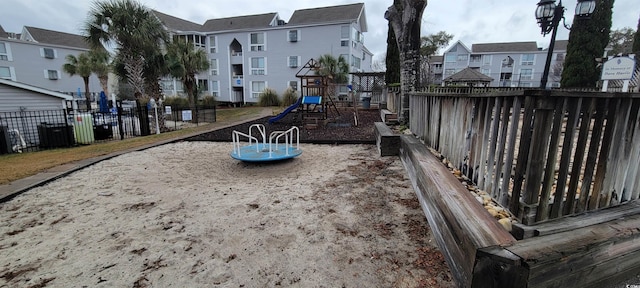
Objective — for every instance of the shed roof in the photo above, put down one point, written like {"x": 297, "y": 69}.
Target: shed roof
{"x": 35, "y": 89}
{"x": 468, "y": 75}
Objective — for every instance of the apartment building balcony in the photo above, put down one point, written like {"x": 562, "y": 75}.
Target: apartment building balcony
{"x": 237, "y": 81}
{"x": 236, "y": 57}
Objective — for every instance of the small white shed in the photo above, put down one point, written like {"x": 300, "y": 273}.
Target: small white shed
{"x": 16, "y": 96}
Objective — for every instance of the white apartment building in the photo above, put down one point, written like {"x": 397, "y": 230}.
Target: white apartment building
{"x": 512, "y": 64}
{"x": 250, "y": 53}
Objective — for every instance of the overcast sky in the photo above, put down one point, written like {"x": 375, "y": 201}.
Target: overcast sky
{"x": 471, "y": 21}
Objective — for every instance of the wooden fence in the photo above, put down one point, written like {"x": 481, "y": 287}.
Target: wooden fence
{"x": 541, "y": 153}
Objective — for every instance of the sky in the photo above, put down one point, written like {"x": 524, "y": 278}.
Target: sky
{"x": 469, "y": 21}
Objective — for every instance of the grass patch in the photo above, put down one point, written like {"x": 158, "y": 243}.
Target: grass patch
{"x": 17, "y": 166}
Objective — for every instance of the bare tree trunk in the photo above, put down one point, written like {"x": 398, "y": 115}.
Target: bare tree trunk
{"x": 104, "y": 80}
{"x": 405, "y": 17}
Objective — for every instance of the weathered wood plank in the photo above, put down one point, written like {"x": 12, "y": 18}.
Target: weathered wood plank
{"x": 552, "y": 155}
{"x": 594, "y": 146}
{"x": 633, "y": 153}
{"x": 388, "y": 143}
{"x": 499, "y": 176}
{"x": 583, "y": 257}
{"x": 578, "y": 156}
{"x": 574, "y": 107}
{"x": 598, "y": 192}
{"x": 576, "y": 221}
{"x": 535, "y": 164}
{"x": 523, "y": 155}
{"x": 493, "y": 145}
{"x": 513, "y": 132}
{"x": 460, "y": 224}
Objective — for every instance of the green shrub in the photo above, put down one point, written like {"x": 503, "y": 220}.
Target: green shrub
{"x": 289, "y": 97}
{"x": 269, "y": 97}
{"x": 176, "y": 102}
{"x": 208, "y": 101}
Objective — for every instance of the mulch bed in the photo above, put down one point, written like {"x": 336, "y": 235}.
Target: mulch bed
{"x": 336, "y": 129}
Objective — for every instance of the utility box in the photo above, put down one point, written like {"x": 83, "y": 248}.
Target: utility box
{"x": 55, "y": 135}
{"x": 83, "y": 128}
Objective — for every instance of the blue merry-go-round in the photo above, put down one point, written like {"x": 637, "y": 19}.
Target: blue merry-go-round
{"x": 257, "y": 149}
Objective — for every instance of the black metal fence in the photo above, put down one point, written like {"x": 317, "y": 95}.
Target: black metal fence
{"x": 25, "y": 131}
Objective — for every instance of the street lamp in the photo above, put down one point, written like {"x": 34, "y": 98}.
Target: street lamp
{"x": 549, "y": 15}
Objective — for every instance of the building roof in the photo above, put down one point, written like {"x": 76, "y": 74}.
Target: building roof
{"x": 505, "y": 47}
{"x": 45, "y": 36}
{"x": 327, "y": 14}
{"x": 35, "y": 89}
{"x": 468, "y": 75}
{"x": 3, "y": 34}
{"x": 240, "y": 22}
{"x": 175, "y": 23}
{"x": 436, "y": 59}
{"x": 560, "y": 45}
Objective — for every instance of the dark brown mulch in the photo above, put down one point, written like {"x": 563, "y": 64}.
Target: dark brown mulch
{"x": 337, "y": 129}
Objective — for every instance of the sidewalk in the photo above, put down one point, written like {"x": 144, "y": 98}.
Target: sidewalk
{"x": 15, "y": 188}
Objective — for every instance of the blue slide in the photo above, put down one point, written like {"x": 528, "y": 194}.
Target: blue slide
{"x": 286, "y": 111}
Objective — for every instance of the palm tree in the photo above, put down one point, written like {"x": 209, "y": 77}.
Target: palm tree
{"x": 134, "y": 31}
{"x": 335, "y": 69}
{"x": 82, "y": 67}
{"x": 100, "y": 65}
{"x": 185, "y": 62}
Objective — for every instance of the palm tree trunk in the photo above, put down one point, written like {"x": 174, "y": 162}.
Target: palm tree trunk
{"x": 86, "y": 93}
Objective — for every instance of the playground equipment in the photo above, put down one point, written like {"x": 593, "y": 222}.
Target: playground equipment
{"x": 263, "y": 151}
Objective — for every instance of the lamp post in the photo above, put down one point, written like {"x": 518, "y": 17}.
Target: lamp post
{"x": 549, "y": 15}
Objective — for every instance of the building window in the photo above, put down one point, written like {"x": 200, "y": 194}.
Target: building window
{"x": 257, "y": 42}
{"x": 486, "y": 59}
{"x": 5, "y": 72}
{"x": 463, "y": 57}
{"x": 486, "y": 71}
{"x": 214, "y": 67}
{"x": 476, "y": 58}
{"x": 293, "y": 85}
{"x": 213, "y": 48}
{"x": 4, "y": 52}
{"x": 526, "y": 74}
{"x": 215, "y": 89}
{"x": 527, "y": 59}
{"x": 200, "y": 41}
{"x": 560, "y": 57}
{"x": 256, "y": 88}
{"x": 293, "y": 61}
{"x": 450, "y": 58}
{"x": 344, "y": 32}
{"x": 48, "y": 53}
{"x": 258, "y": 66}
{"x": 203, "y": 85}
{"x": 449, "y": 72}
{"x": 293, "y": 36}
{"x": 355, "y": 61}
{"x": 51, "y": 74}
{"x": 344, "y": 43}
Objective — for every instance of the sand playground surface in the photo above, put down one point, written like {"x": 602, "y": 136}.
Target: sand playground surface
{"x": 188, "y": 215}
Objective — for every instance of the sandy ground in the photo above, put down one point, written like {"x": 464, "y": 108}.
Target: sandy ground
{"x": 188, "y": 215}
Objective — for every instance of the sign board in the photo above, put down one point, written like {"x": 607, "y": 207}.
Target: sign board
{"x": 167, "y": 109}
{"x": 618, "y": 68}
{"x": 186, "y": 115}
